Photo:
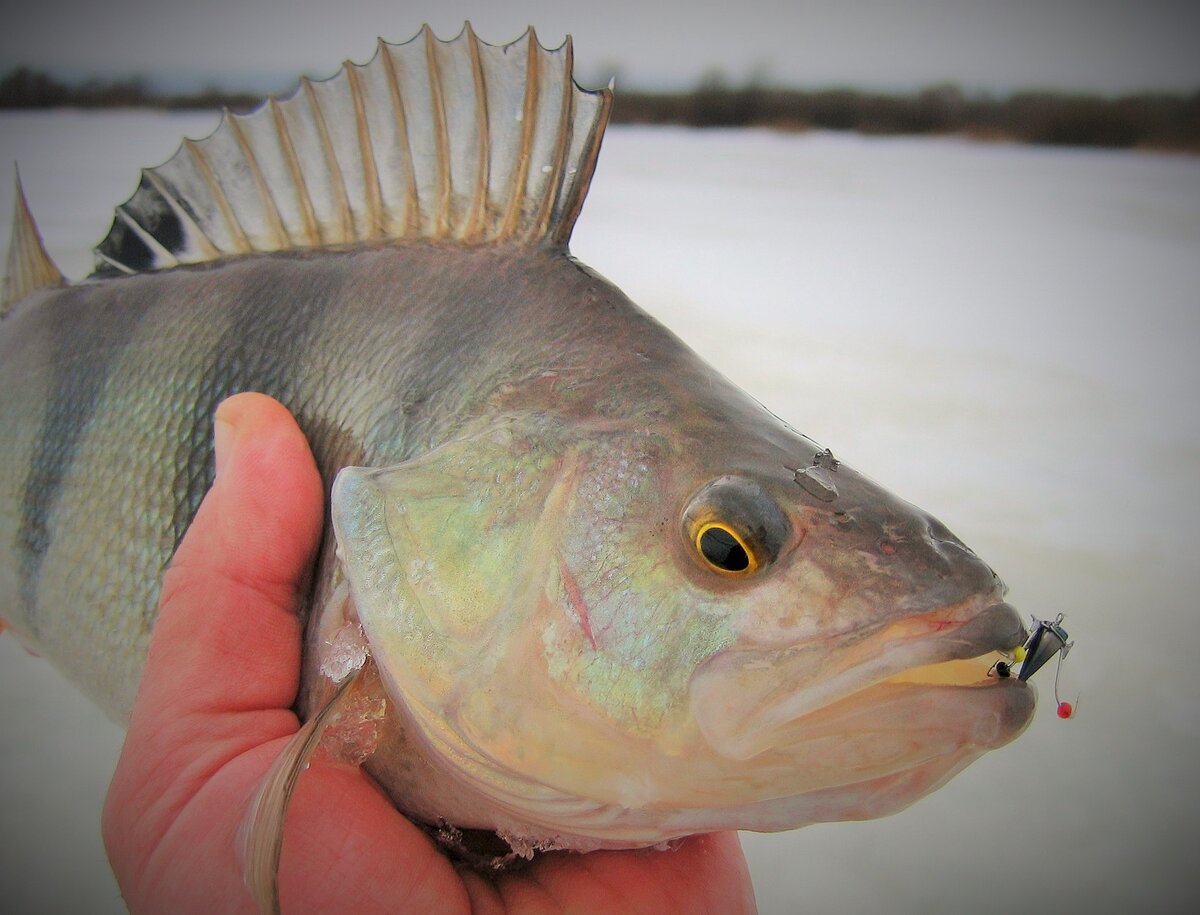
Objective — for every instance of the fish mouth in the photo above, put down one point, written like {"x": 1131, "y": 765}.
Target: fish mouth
{"x": 927, "y": 672}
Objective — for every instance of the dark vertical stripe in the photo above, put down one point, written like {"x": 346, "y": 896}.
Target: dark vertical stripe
{"x": 85, "y": 337}
{"x": 271, "y": 311}
{"x": 278, "y": 305}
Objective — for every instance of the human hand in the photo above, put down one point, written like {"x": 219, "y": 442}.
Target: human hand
{"x": 214, "y": 710}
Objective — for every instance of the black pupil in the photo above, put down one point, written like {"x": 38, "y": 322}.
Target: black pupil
{"x": 722, "y": 549}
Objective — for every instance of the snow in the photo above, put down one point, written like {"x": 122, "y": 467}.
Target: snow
{"x": 1006, "y": 336}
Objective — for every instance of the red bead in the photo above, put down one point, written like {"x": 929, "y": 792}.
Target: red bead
{"x": 1065, "y": 710}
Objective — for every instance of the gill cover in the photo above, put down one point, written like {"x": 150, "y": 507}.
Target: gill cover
{"x": 445, "y": 553}
{"x": 516, "y": 607}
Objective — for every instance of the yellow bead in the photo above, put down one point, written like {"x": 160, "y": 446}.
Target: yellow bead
{"x": 1019, "y": 653}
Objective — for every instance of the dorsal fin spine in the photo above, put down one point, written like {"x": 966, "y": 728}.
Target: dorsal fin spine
{"x": 345, "y": 221}
{"x": 237, "y": 234}
{"x": 279, "y": 236}
{"x": 374, "y": 227}
{"x": 441, "y": 222}
{"x": 585, "y": 168}
{"x": 412, "y": 207}
{"x": 474, "y": 223}
{"x": 438, "y": 141}
{"x": 312, "y": 231}
{"x": 149, "y": 240}
{"x": 553, "y": 186}
{"x": 111, "y": 262}
{"x": 28, "y": 266}
{"x": 528, "y": 126}
{"x": 207, "y": 249}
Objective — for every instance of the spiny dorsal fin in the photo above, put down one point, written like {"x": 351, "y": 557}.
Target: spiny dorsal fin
{"x": 455, "y": 141}
{"x": 28, "y": 267}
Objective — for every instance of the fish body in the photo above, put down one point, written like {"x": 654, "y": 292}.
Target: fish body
{"x": 610, "y": 598}
{"x": 119, "y": 380}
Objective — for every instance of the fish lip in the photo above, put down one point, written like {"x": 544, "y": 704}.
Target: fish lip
{"x": 997, "y": 627}
{"x": 742, "y": 726}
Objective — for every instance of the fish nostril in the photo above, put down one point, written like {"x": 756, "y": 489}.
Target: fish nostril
{"x": 942, "y": 537}
{"x": 842, "y": 519}
{"x": 936, "y": 530}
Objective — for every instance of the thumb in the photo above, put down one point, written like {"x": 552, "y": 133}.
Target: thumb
{"x": 226, "y": 637}
{"x": 224, "y": 659}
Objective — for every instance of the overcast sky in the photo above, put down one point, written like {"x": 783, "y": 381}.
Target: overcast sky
{"x": 1106, "y": 46}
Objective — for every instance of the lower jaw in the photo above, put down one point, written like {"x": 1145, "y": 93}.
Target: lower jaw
{"x": 873, "y": 792}
{"x": 861, "y": 800}
{"x": 882, "y": 789}
{"x": 938, "y": 699}
{"x": 901, "y": 725}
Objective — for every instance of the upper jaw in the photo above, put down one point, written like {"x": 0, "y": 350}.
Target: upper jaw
{"x": 742, "y": 699}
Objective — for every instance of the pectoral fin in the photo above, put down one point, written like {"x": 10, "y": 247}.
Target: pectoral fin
{"x": 263, "y": 827}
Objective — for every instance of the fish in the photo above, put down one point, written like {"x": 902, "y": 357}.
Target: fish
{"x": 603, "y": 597}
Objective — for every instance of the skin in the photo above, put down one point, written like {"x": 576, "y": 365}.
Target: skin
{"x": 214, "y": 709}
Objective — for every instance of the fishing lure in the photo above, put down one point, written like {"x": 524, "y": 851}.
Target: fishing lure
{"x": 1046, "y": 639}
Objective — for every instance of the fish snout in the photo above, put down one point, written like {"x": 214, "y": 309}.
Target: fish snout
{"x": 747, "y": 700}
{"x": 905, "y": 557}
{"x": 928, "y": 566}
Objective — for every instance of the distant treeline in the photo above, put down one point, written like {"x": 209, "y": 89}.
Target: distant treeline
{"x": 1154, "y": 121}
{"x": 25, "y": 88}
{"x": 1158, "y": 121}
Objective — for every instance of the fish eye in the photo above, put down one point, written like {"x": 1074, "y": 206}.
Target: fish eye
{"x": 734, "y": 528}
{"x": 724, "y": 550}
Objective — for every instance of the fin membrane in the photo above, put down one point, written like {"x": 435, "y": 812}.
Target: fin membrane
{"x": 457, "y": 141}
{"x": 28, "y": 267}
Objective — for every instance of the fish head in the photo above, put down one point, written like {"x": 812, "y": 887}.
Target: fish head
{"x": 856, "y": 679}
{"x": 612, "y": 634}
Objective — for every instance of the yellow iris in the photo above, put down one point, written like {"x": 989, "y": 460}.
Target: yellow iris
{"x": 724, "y": 550}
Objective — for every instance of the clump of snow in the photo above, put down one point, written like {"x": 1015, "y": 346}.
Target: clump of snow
{"x": 345, "y": 653}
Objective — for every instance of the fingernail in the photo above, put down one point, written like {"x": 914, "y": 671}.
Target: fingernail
{"x": 222, "y": 439}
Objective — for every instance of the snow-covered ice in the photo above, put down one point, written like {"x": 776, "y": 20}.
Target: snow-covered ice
{"x": 1006, "y": 336}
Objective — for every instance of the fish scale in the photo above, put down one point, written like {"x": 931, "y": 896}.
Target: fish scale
{"x": 522, "y": 467}
{"x": 184, "y": 342}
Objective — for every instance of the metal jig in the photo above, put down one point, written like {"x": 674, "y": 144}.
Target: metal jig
{"x": 1046, "y": 639}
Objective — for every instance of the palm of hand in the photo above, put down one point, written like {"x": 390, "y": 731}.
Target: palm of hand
{"x": 213, "y": 712}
